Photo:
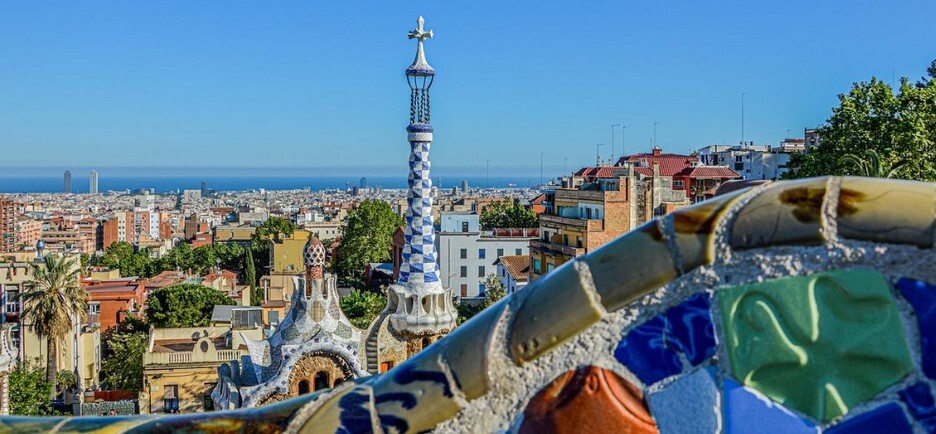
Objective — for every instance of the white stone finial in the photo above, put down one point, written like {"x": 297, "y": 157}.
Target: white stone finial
{"x": 420, "y": 66}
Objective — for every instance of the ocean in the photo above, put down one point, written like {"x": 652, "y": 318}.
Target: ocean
{"x": 163, "y": 184}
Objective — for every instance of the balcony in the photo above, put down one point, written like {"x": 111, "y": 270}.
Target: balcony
{"x": 563, "y": 194}
{"x": 179, "y": 357}
{"x": 548, "y": 247}
{"x": 591, "y": 225}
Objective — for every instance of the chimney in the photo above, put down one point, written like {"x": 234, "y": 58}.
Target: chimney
{"x": 657, "y": 151}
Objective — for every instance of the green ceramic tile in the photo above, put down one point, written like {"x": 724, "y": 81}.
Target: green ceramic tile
{"x": 820, "y": 344}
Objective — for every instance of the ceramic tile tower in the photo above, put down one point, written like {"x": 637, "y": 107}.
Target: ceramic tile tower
{"x": 418, "y": 303}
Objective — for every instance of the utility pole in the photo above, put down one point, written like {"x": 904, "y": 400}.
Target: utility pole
{"x": 654, "y": 134}
{"x": 742, "y": 117}
{"x": 612, "y": 141}
{"x": 598, "y": 154}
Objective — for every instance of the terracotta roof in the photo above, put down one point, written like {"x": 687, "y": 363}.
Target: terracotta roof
{"x": 596, "y": 172}
{"x": 709, "y": 172}
{"x": 518, "y": 266}
{"x": 670, "y": 164}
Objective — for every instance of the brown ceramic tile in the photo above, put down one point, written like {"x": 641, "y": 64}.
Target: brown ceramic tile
{"x": 588, "y": 400}
{"x": 631, "y": 266}
{"x": 554, "y": 308}
{"x": 694, "y": 226}
{"x": 890, "y": 211}
{"x": 784, "y": 213}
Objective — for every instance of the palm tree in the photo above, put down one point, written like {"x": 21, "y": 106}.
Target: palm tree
{"x": 52, "y": 298}
{"x": 871, "y": 165}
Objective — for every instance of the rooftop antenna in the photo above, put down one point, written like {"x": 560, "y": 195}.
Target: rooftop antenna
{"x": 742, "y": 117}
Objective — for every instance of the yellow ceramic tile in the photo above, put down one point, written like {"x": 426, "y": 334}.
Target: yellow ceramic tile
{"x": 890, "y": 211}
{"x": 785, "y": 213}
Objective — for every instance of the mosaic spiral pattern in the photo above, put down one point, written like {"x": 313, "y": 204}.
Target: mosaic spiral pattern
{"x": 819, "y": 345}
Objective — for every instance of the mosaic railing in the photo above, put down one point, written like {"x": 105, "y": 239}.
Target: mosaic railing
{"x": 795, "y": 307}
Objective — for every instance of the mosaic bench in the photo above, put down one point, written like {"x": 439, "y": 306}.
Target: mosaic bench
{"x": 795, "y": 307}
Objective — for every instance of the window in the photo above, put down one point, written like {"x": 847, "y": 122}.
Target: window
{"x": 463, "y": 271}
{"x": 537, "y": 266}
{"x": 464, "y": 290}
{"x": 738, "y": 166}
{"x": 482, "y": 253}
{"x": 303, "y": 387}
{"x": 273, "y": 317}
{"x": 550, "y": 267}
{"x": 206, "y": 398}
{"x": 463, "y": 254}
{"x": 500, "y": 252}
{"x": 565, "y": 239}
{"x": 94, "y": 313}
{"x": 481, "y": 289}
{"x": 519, "y": 251}
{"x": 11, "y": 298}
{"x": 678, "y": 184}
{"x": 481, "y": 271}
{"x": 464, "y": 226}
{"x": 15, "y": 333}
{"x": 321, "y": 380}
{"x": 171, "y": 399}
{"x": 739, "y": 158}
{"x": 578, "y": 242}
{"x": 385, "y": 366}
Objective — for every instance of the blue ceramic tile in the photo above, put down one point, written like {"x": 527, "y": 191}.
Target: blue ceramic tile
{"x": 922, "y": 296}
{"x": 919, "y": 400}
{"x": 688, "y": 405}
{"x": 888, "y": 418}
{"x": 652, "y": 350}
{"x": 746, "y": 411}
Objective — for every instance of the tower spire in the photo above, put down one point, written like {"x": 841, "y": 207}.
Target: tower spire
{"x": 418, "y": 303}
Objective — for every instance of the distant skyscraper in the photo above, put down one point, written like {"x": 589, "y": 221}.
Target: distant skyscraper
{"x": 67, "y": 187}
{"x": 363, "y": 182}
{"x": 464, "y": 186}
{"x": 204, "y": 189}
{"x": 93, "y": 182}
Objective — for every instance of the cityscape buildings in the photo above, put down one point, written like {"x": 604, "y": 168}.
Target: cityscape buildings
{"x": 67, "y": 187}
{"x": 93, "y": 182}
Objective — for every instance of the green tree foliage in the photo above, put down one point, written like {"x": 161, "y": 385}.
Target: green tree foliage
{"x": 250, "y": 275}
{"x": 494, "y": 291}
{"x": 52, "y": 298}
{"x": 121, "y": 255}
{"x": 184, "y": 305}
{"x": 361, "y": 307}
{"x": 29, "y": 391}
{"x": 65, "y": 379}
{"x": 368, "y": 237}
{"x": 274, "y": 227}
{"x": 122, "y": 367}
{"x": 900, "y": 129}
{"x": 508, "y": 214}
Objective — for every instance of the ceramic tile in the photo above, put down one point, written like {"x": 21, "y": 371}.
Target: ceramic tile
{"x": 631, "y": 266}
{"x": 588, "y": 400}
{"x": 468, "y": 349}
{"x": 820, "y": 344}
{"x": 553, "y": 309}
{"x": 694, "y": 228}
{"x": 745, "y": 411}
{"x": 866, "y": 211}
{"x": 349, "y": 411}
{"x": 688, "y": 405}
{"x": 919, "y": 401}
{"x": 888, "y": 418}
{"x": 654, "y": 349}
{"x": 414, "y": 396}
{"x": 784, "y": 213}
{"x": 922, "y": 296}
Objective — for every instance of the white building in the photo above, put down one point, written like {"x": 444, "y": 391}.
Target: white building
{"x": 753, "y": 161}
{"x": 513, "y": 272}
{"x": 467, "y": 255}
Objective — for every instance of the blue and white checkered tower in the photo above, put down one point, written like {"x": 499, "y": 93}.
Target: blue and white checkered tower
{"x": 419, "y": 304}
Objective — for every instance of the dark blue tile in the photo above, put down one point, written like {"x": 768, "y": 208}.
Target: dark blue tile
{"x": 651, "y": 350}
{"x": 888, "y": 418}
{"x": 745, "y": 411}
{"x": 922, "y": 296}
{"x": 919, "y": 400}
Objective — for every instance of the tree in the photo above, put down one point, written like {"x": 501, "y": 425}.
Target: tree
{"x": 120, "y": 255}
{"x": 508, "y": 214}
{"x": 52, "y": 298}
{"x": 494, "y": 291}
{"x": 871, "y": 117}
{"x": 250, "y": 274}
{"x": 184, "y": 305}
{"x": 122, "y": 368}
{"x": 274, "y": 227}
{"x": 29, "y": 391}
{"x": 361, "y": 307}
{"x": 368, "y": 237}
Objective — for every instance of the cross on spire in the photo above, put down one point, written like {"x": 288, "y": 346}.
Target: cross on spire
{"x": 419, "y": 33}
{"x": 420, "y": 66}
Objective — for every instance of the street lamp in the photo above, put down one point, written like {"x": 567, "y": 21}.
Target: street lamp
{"x": 612, "y": 141}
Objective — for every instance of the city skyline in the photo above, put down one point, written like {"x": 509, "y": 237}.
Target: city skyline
{"x": 317, "y": 85}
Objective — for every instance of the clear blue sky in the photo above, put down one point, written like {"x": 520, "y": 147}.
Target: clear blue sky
{"x": 315, "y": 84}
